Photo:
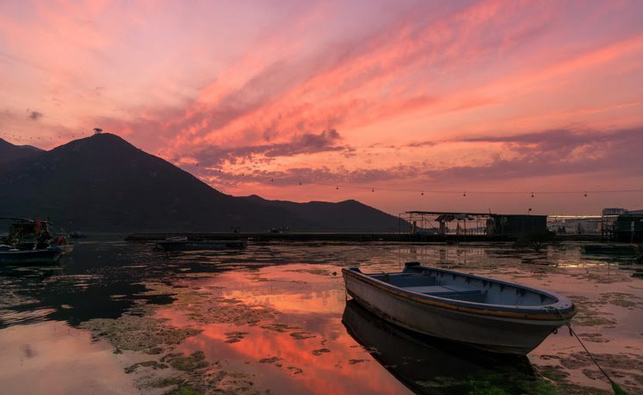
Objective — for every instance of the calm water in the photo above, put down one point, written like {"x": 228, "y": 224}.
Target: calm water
{"x": 119, "y": 318}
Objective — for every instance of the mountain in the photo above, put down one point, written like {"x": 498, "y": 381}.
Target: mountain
{"x": 337, "y": 217}
{"x": 103, "y": 183}
{"x": 10, "y": 152}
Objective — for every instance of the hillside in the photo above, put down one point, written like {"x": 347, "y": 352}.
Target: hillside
{"x": 337, "y": 217}
{"x": 103, "y": 183}
{"x": 10, "y": 152}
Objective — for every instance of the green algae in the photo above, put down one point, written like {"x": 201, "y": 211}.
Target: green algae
{"x": 228, "y": 300}
{"x": 281, "y": 328}
{"x": 184, "y": 390}
{"x": 583, "y": 320}
{"x": 136, "y": 333}
{"x": 593, "y": 337}
{"x": 588, "y": 315}
{"x": 147, "y": 364}
{"x": 190, "y": 374}
{"x": 318, "y": 272}
{"x": 205, "y": 310}
{"x": 320, "y": 351}
{"x": 234, "y": 337}
{"x": 506, "y": 381}
{"x": 356, "y": 361}
{"x": 270, "y": 360}
{"x": 191, "y": 363}
{"x": 166, "y": 382}
{"x": 623, "y": 303}
{"x": 294, "y": 370}
{"x": 620, "y": 299}
{"x": 622, "y": 368}
{"x": 303, "y": 335}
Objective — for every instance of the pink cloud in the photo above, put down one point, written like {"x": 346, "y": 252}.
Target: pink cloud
{"x": 307, "y": 143}
{"x": 549, "y": 153}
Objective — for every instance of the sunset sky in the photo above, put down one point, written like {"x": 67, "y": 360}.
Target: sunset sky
{"x": 402, "y": 105}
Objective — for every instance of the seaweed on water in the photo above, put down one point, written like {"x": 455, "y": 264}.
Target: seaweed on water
{"x": 191, "y": 363}
{"x": 270, "y": 360}
{"x": 147, "y": 364}
{"x": 184, "y": 390}
{"x": 136, "y": 333}
{"x": 303, "y": 335}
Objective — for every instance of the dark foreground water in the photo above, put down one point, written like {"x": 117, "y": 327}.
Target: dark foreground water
{"x": 119, "y": 318}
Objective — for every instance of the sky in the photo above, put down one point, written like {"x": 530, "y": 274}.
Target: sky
{"x": 500, "y": 106}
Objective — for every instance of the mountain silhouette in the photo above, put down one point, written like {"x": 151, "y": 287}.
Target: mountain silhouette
{"x": 103, "y": 183}
{"x": 347, "y": 215}
{"x": 10, "y": 152}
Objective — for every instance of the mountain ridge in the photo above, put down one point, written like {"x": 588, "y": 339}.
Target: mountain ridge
{"x": 104, "y": 183}
{"x": 10, "y": 152}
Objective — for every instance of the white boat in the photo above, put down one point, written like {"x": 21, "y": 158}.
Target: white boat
{"x": 489, "y": 314}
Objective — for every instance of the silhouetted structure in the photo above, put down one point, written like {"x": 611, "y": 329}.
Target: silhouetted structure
{"x": 474, "y": 224}
{"x": 629, "y": 227}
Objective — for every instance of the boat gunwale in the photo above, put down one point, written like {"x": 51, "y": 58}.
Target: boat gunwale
{"x": 547, "y": 312}
{"x": 46, "y": 256}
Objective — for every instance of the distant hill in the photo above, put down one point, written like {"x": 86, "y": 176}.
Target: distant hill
{"x": 103, "y": 183}
{"x": 10, "y": 152}
{"x": 337, "y": 217}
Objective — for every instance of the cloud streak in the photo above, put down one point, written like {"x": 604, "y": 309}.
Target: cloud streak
{"x": 548, "y": 153}
{"x": 307, "y": 143}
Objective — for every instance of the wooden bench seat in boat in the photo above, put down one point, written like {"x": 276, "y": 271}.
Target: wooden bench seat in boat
{"x": 459, "y": 292}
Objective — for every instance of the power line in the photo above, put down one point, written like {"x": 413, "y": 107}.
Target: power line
{"x": 423, "y": 191}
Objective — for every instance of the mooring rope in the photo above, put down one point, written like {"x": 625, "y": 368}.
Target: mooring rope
{"x": 615, "y": 387}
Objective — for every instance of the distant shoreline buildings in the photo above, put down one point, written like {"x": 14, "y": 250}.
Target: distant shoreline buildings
{"x": 614, "y": 224}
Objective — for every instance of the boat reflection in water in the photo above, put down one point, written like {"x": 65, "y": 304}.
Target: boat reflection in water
{"x": 428, "y": 365}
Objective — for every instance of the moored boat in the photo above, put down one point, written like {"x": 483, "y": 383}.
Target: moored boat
{"x": 31, "y": 242}
{"x": 185, "y": 244}
{"x": 43, "y": 256}
{"x": 489, "y": 314}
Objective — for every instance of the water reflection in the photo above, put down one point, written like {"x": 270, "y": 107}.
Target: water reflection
{"x": 100, "y": 280}
{"x": 55, "y": 359}
{"x": 431, "y": 366}
{"x": 274, "y": 312}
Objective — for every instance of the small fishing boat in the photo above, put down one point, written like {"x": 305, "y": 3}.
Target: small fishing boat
{"x": 185, "y": 244}
{"x": 44, "y": 256}
{"x": 489, "y": 314}
{"x": 31, "y": 242}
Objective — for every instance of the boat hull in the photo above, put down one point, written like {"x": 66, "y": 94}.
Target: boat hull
{"x": 506, "y": 332}
{"x": 30, "y": 257}
{"x": 434, "y": 360}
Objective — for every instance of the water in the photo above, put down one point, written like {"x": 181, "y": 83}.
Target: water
{"x": 119, "y": 318}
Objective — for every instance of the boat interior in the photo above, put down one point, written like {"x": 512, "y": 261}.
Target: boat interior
{"x": 450, "y": 285}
